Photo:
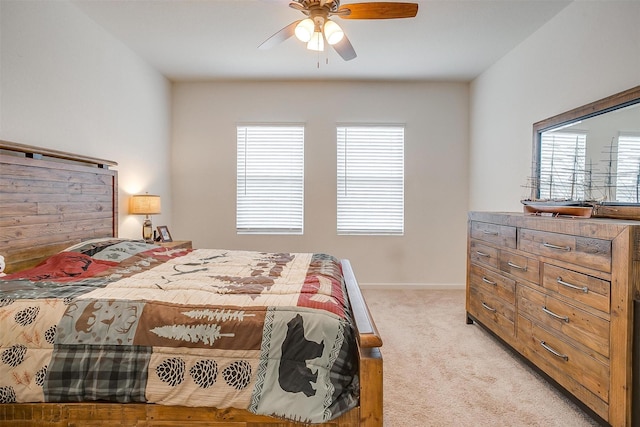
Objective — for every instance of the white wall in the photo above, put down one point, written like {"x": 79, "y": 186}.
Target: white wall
{"x": 590, "y": 50}
{"x": 67, "y": 84}
{"x": 432, "y": 251}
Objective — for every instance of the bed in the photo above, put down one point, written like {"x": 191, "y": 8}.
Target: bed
{"x": 141, "y": 327}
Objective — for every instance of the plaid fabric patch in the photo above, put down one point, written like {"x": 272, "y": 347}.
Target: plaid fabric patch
{"x": 106, "y": 372}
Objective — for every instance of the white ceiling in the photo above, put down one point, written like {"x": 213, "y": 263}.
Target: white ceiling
{"x": 217, "y": 39}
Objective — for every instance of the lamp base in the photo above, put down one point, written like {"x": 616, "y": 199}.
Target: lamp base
{"x": 147, "y": 230}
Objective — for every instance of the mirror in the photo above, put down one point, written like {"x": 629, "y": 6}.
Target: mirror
{"x": 590, "y": 154}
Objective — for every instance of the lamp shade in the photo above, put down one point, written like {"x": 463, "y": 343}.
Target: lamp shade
{"x": 144, "y": 204}
{"x": 316, "y": 42}
{"x": 333, "y": 32}
{"x": 304, "y": 30}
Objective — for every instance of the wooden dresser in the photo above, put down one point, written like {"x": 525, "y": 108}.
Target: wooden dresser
{"x": 560, "y": 291}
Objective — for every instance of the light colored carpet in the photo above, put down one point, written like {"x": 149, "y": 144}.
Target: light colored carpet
{"x": 439, "y": 371}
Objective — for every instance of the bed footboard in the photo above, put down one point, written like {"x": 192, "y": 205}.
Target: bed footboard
{"x": 141, "y": 414}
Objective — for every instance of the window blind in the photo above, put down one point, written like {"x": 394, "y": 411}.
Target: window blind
{"x": 562, "y": 165}
{"x": 270, "y": 179}
{"x": 628, "y": 168}
{"x": 370, "y": 180}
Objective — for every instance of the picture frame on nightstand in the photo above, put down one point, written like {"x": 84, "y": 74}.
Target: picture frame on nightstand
{"x": 165, "y": 235}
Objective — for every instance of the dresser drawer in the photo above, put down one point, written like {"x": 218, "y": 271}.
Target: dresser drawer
{"x": 545, "y": 348}
{"x": 522, "y": 266}
{"x": 585, "y": 328}
{"x": 593, "y": 253}
{"x": 580, "y": 287}
{"x": 492, "y": 311}
{"x": 502, "y": 235}
{"x": 493, "y": 283}
{"x": 483, "y": 254}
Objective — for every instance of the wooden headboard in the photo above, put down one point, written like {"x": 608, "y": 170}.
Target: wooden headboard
{"x": 50, "y": 200}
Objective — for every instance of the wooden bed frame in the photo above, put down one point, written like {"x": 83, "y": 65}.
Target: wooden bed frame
{"x": 50, "y": 200}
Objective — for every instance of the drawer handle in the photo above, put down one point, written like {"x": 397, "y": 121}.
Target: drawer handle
{"x": 510, "y": 264}
{"x": 557, "y": 316}
{"x": 482, "y": 254}
{"x": 491, "y": 233}
{"x": 493, "y": 310}
{"x": 554, "y": 352}
{"x": 584, "y": 289}
{"x": 560, "y": 248}
{"x": 485, "y": 280}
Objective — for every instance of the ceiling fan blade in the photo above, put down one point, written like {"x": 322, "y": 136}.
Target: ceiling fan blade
{"x": 280, "y": 36}
{"x": 378, "y": 10}
{"x": 295, "y": 5}
{"x": 345, "y": 49}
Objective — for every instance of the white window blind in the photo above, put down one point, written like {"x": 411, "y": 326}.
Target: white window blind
{"x": 270, "y": 179}
{"x": 628, "y": 168}
{"x": 562, "y": 165}
{"x": 370, "y": 179}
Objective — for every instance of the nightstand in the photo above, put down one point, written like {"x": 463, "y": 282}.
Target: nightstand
{"x": 176, "y": 244}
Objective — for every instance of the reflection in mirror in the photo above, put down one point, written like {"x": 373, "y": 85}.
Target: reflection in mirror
{"x": 590, "y": 155}
{"x": 597, "y": 159}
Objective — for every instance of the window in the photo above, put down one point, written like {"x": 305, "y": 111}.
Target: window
{"x": 370, "y": 180}
{"x": 628, "y": 173}
{"x": 562, "y": 165}
{"x": 270, "y": 179}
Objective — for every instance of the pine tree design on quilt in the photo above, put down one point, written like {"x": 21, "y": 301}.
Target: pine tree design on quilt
{"x": 218, "y": 315}
{"x": 207, "y": 334}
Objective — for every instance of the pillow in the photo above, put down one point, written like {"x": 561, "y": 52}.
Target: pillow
{"x": 101, "y": 241}
{"x": 63, "y": 267}
{"x": 111, "y": 248}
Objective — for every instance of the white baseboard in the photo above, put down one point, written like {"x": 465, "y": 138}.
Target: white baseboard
{"x": 412, "y": 286}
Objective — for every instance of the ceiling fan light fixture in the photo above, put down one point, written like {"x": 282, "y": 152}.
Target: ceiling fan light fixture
{"x": 316, "y": 42}
{"x": 333, "y": 32}
{"x": 304, "y": 30}
{"x": 317, "y": 29}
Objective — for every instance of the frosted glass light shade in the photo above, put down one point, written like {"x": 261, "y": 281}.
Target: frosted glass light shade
{"x": 333, "y": 32}
{"x": 304, "y": 30}
{"x": 144, "y": 204}
{"x": 316, "y": 42}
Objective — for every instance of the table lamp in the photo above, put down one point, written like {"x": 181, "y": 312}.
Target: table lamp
{"x": 145, "y": 204}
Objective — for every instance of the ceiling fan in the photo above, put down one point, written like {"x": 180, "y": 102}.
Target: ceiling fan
{"x": 317, "y": 28}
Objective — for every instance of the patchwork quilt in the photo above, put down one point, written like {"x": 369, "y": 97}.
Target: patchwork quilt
{"x": 123, "y": 321}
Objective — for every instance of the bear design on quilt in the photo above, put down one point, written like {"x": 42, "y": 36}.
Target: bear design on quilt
{"x": 294, "y": 374}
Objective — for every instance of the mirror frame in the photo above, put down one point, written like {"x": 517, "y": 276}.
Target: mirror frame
{"x": 605, "y": 105}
